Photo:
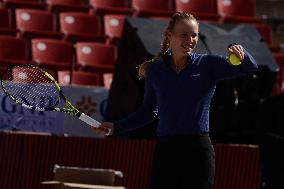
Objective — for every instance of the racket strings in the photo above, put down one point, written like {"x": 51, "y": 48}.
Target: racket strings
{"x": 30, "y": 86}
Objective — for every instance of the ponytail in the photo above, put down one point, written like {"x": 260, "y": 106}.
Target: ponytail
{"x": 143, "y": 67}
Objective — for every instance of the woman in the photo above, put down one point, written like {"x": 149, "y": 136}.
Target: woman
{"x": 179, "y": 86}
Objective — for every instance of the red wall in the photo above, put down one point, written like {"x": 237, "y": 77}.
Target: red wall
{"x": 28, "y": 159}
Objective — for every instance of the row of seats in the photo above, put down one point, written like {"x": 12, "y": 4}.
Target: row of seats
{"x": 208, "y": 10}
{"x": 102, "y": 20}
{"x": 64, "y": 77}
{"x": 27, "y": 19}
{"x": 95, "y": 59}
{"x": 79, "y": 26}
{"x": 84, "y": 78}
{"x": 144, "y": 7}
{"x": 228, "y": 10}
{"x": 73, "y": 26}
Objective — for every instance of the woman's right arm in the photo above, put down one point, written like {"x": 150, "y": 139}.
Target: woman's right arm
{"x": 142, "y": 116}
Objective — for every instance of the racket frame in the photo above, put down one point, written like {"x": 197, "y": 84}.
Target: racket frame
{"x": 70, "y": 109}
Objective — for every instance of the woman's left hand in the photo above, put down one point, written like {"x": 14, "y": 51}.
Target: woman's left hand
{"x": 237, "y": 50}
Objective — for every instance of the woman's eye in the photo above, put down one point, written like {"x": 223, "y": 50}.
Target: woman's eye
{"x": 185, "y": 35}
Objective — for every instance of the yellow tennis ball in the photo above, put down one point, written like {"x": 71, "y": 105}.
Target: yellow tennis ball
{"x": 234, "y": 60}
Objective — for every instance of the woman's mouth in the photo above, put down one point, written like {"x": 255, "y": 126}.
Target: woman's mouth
{"x": 187, "y": 47}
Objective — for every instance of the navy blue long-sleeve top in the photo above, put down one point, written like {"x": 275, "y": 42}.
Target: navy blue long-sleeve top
{"x": 181, "y": 101}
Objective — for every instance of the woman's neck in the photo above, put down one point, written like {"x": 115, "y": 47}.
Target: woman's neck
{"x": 179, "y": 63}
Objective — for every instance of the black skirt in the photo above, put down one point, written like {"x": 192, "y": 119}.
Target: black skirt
{"x": 183, "y": 162}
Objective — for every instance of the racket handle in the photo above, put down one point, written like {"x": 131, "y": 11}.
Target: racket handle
{"x": 90, "y": 121}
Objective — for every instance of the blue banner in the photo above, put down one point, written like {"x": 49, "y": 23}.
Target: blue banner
{"x": 17, "y": 118}
{"x": 90, "y": 100}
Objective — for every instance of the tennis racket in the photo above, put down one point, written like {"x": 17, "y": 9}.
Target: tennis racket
{"x": 34, "y": 88}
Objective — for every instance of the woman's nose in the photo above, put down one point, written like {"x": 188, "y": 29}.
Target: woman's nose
{"x": 190, "y": 38}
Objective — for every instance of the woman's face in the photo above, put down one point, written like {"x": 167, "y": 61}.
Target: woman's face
{"x": 184, "y": 37}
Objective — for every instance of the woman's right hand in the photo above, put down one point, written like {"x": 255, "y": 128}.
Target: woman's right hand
{"x": 106, "y": 128}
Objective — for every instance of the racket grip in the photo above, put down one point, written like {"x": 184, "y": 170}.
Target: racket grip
{"x": 90, "y": 121}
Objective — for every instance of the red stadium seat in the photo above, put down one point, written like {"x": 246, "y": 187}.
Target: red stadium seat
{"x": 113, "y": 26}
{"x": 102, "y": 7}
{"x": 205, "y": 10}
{"x": 52, "y": 54}
{"x": 4, "y": 18}
{"x": 95, "y": 56}
{"x": 80, "y": 27}
{"x": 279, "y": 82}
{"x": 59, "y": 6}
{"x": 266, "y": 33}
{"x": 21, "y": 75}
{"x": 36, "y": 23}
{"x": 279, "y": 58}
{"x": 150, "y": 8}
{"x": 12, "y": 5}
{"x": 78, "y": 78}
{"x": 67, "y": 6}
{"x": 238, "y": 11}
{"x": 5, "y": 23}
{"x": 13, "y": 51}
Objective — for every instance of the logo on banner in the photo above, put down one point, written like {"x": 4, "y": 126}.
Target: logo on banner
{"x": 85, "y": 104}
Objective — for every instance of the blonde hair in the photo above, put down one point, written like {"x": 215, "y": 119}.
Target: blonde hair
{"x": 165, "y": 42}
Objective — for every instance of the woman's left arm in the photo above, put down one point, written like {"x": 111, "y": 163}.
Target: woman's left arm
{"x": 224, "y": 69}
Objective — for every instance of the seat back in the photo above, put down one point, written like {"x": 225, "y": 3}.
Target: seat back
{"x": 4, "y": 18}
{"x": 78, "y": 78}
{"x": 265, "y": 31}
{"x": 237, "y": 8}
{"x": 52, "y": 50}
{"x": 34, "y": 20}
{"x": 25, "y": 1}
{"x": 159, "y": 5}
{"x": 196, "y": 6}
{"x": 113, "y": 25}
{"x": 13, "y": 48}
{"x": 79, "y": 23}
{"x": 66, "y": 2}
{"x": 109, "y": 3}
{"x": 89, "y": 53}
